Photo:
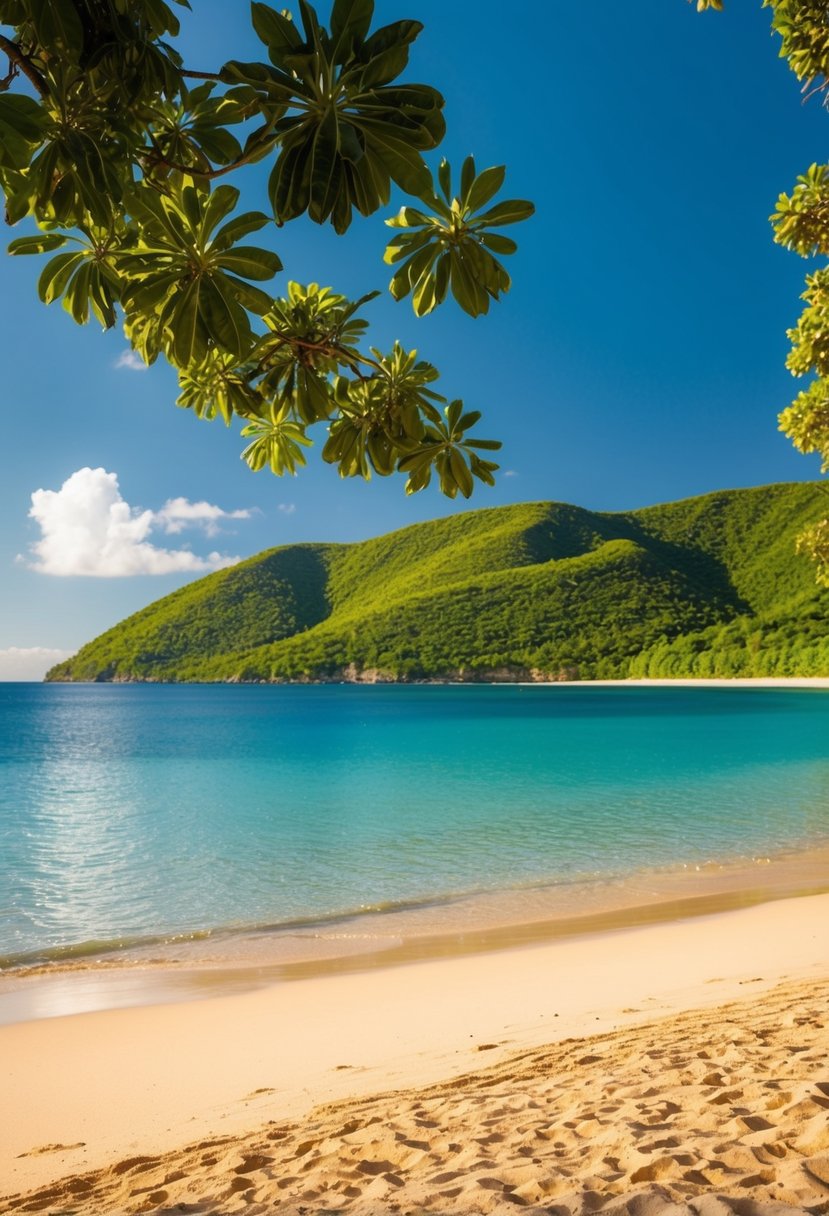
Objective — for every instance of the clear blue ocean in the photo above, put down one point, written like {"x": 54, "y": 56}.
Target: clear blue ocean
{"x": 142, "y": 811}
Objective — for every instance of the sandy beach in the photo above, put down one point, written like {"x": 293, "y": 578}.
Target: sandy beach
{"x": 712, "y": 682}
{"x": 635, "y": 1069}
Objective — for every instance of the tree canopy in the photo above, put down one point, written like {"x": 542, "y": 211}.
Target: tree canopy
{"x": 801, "y": 223}
{"x": 119, "y": 152}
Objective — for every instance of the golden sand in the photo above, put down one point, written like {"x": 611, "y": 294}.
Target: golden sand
{"x": 725, "y": 1111}
{"x": 659, "y": 1070}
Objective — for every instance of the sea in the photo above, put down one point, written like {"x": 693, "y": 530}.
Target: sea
{"x": 141, "y": 817}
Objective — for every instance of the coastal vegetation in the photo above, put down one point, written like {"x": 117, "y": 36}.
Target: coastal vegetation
{"x": 117, "y": 153}
{"x": 801, "y": 224}
{"x": 709, "y": 586}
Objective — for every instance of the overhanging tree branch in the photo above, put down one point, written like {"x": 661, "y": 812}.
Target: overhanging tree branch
{"x": 25, "y": 65}
{"x": 138, "y": 165}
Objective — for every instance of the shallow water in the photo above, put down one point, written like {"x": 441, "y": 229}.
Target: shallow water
{"x": 137, "y": 812}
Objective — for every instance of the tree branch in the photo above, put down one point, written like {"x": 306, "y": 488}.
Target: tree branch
{"x": 12, "y": 73}
{"x": 200, "y": 75}
{"x": 818, "y": 88}
{"x": 331, "y": 348}
{"x": 157, "y": 157}
{"x": 25, "y": 65}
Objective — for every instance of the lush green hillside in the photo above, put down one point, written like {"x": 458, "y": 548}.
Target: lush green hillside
{"x": 708, "y": 586}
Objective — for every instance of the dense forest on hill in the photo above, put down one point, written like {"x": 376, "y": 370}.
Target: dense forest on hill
{"x": 709, "y": 586}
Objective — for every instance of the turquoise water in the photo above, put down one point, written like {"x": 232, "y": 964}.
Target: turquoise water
{"x": 140, "y": 811}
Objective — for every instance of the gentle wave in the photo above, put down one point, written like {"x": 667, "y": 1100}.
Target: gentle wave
{"x": 136, "y": 818}
{"x": 381, "y": 926}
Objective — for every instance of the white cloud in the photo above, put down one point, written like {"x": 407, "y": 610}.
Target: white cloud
{"x": 131, "y": 360}
{"x": 88, "y": 529}
{"x": 179, "y": 513}
{"x": 509, "y": 473}
{"x": 287, "y": 508}
{"x": 29, "y": 662}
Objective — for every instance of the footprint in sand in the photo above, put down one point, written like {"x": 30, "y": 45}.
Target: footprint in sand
{"x": 52, "y": 1148}
{"x": 256, "y": 1161}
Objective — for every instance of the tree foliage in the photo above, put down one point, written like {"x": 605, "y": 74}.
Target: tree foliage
{"x": 709, "y": 586}
{"x": 801, "y": 223}
{"x": 115, "y": 148}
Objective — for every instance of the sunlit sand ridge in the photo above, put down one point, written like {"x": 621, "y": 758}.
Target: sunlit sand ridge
{"x": 723, "y": 1111}
{"x": 627, "y": 1071}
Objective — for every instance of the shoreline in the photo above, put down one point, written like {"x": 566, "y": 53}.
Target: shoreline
{"x": 211, "y": 963}
{"x": 372, "y": 679}
{"x": 90, "y": 1091}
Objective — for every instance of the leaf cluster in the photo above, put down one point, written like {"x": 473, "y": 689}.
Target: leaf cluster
{"x": 109, "y": 147}
{"x": 801, "y": 224}
{"x": 453, "y": 246}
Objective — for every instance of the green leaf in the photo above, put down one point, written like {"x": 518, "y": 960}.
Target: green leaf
{"x": 350, "y": 22}
{"x": 398, "y": 33}
{"x": 100, "y": 297}
{"x": 251, "y": 262}
{"x": 501, "y": 244}
{"x": 403, "y": 163}
{"x": 22, "y": 126}
{"x": 442, "y": 273}
{"x": 58, "y": 26}
{"x": 484, "y": 445}
{"x": 352, "y": 147}
{"x": 289, "y": 184}
{"x": 410, "y": 217}
{"x": 148, "y": 295}
{"x": 189, "y": 338}
{"x": 56, "y": 274}
{"x": 224, "y": 318}
{"x": 239, "y": 226}
{"x": 409, "y": 273}
{"x": 384, "y": 68}
{"x": 310, "y": 23}
{"x": 405, "y": 245}
{"x": 417, "y": 460}
{"x": 370, "y": 183}
{"x": 278, "y": 33}
{"x": 279, "y": 86}
{"x": 218, "y": 206}
{"x": 471, "y": 296}
{"x": 453, "y": 413}
{"x": 460, "y": 472}
{"x": 19, "y": 197}
{"x": 424, "y": 296}
{"x": 42, "y": 243}
{"x": 510, "y": 212}
{"x": 468, "y": 420}
{"x": 485, "y": 186}
{"x": 485, "y": 270}
{"x": 445, "y": 179}
{"x": 76, "y": 296}
{"x": 24, "y": 116}
{"x": 467, "y": 176}
{"x": 249, "y": 297}
{"x": 218, "y": 144}
{"x": 325, "y": 169}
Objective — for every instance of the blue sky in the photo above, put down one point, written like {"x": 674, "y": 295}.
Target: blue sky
{"x": 638, "y": 358}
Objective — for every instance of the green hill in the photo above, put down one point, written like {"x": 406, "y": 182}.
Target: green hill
{"x": 709, "y": 586}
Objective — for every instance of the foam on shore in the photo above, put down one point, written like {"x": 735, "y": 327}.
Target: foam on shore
{"x": 209, "y": 964}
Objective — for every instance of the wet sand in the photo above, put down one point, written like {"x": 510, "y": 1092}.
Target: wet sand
{"x": 221, "y": 963}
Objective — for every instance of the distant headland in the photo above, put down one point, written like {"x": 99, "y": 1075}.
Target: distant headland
{"x": 708, "y": 587}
